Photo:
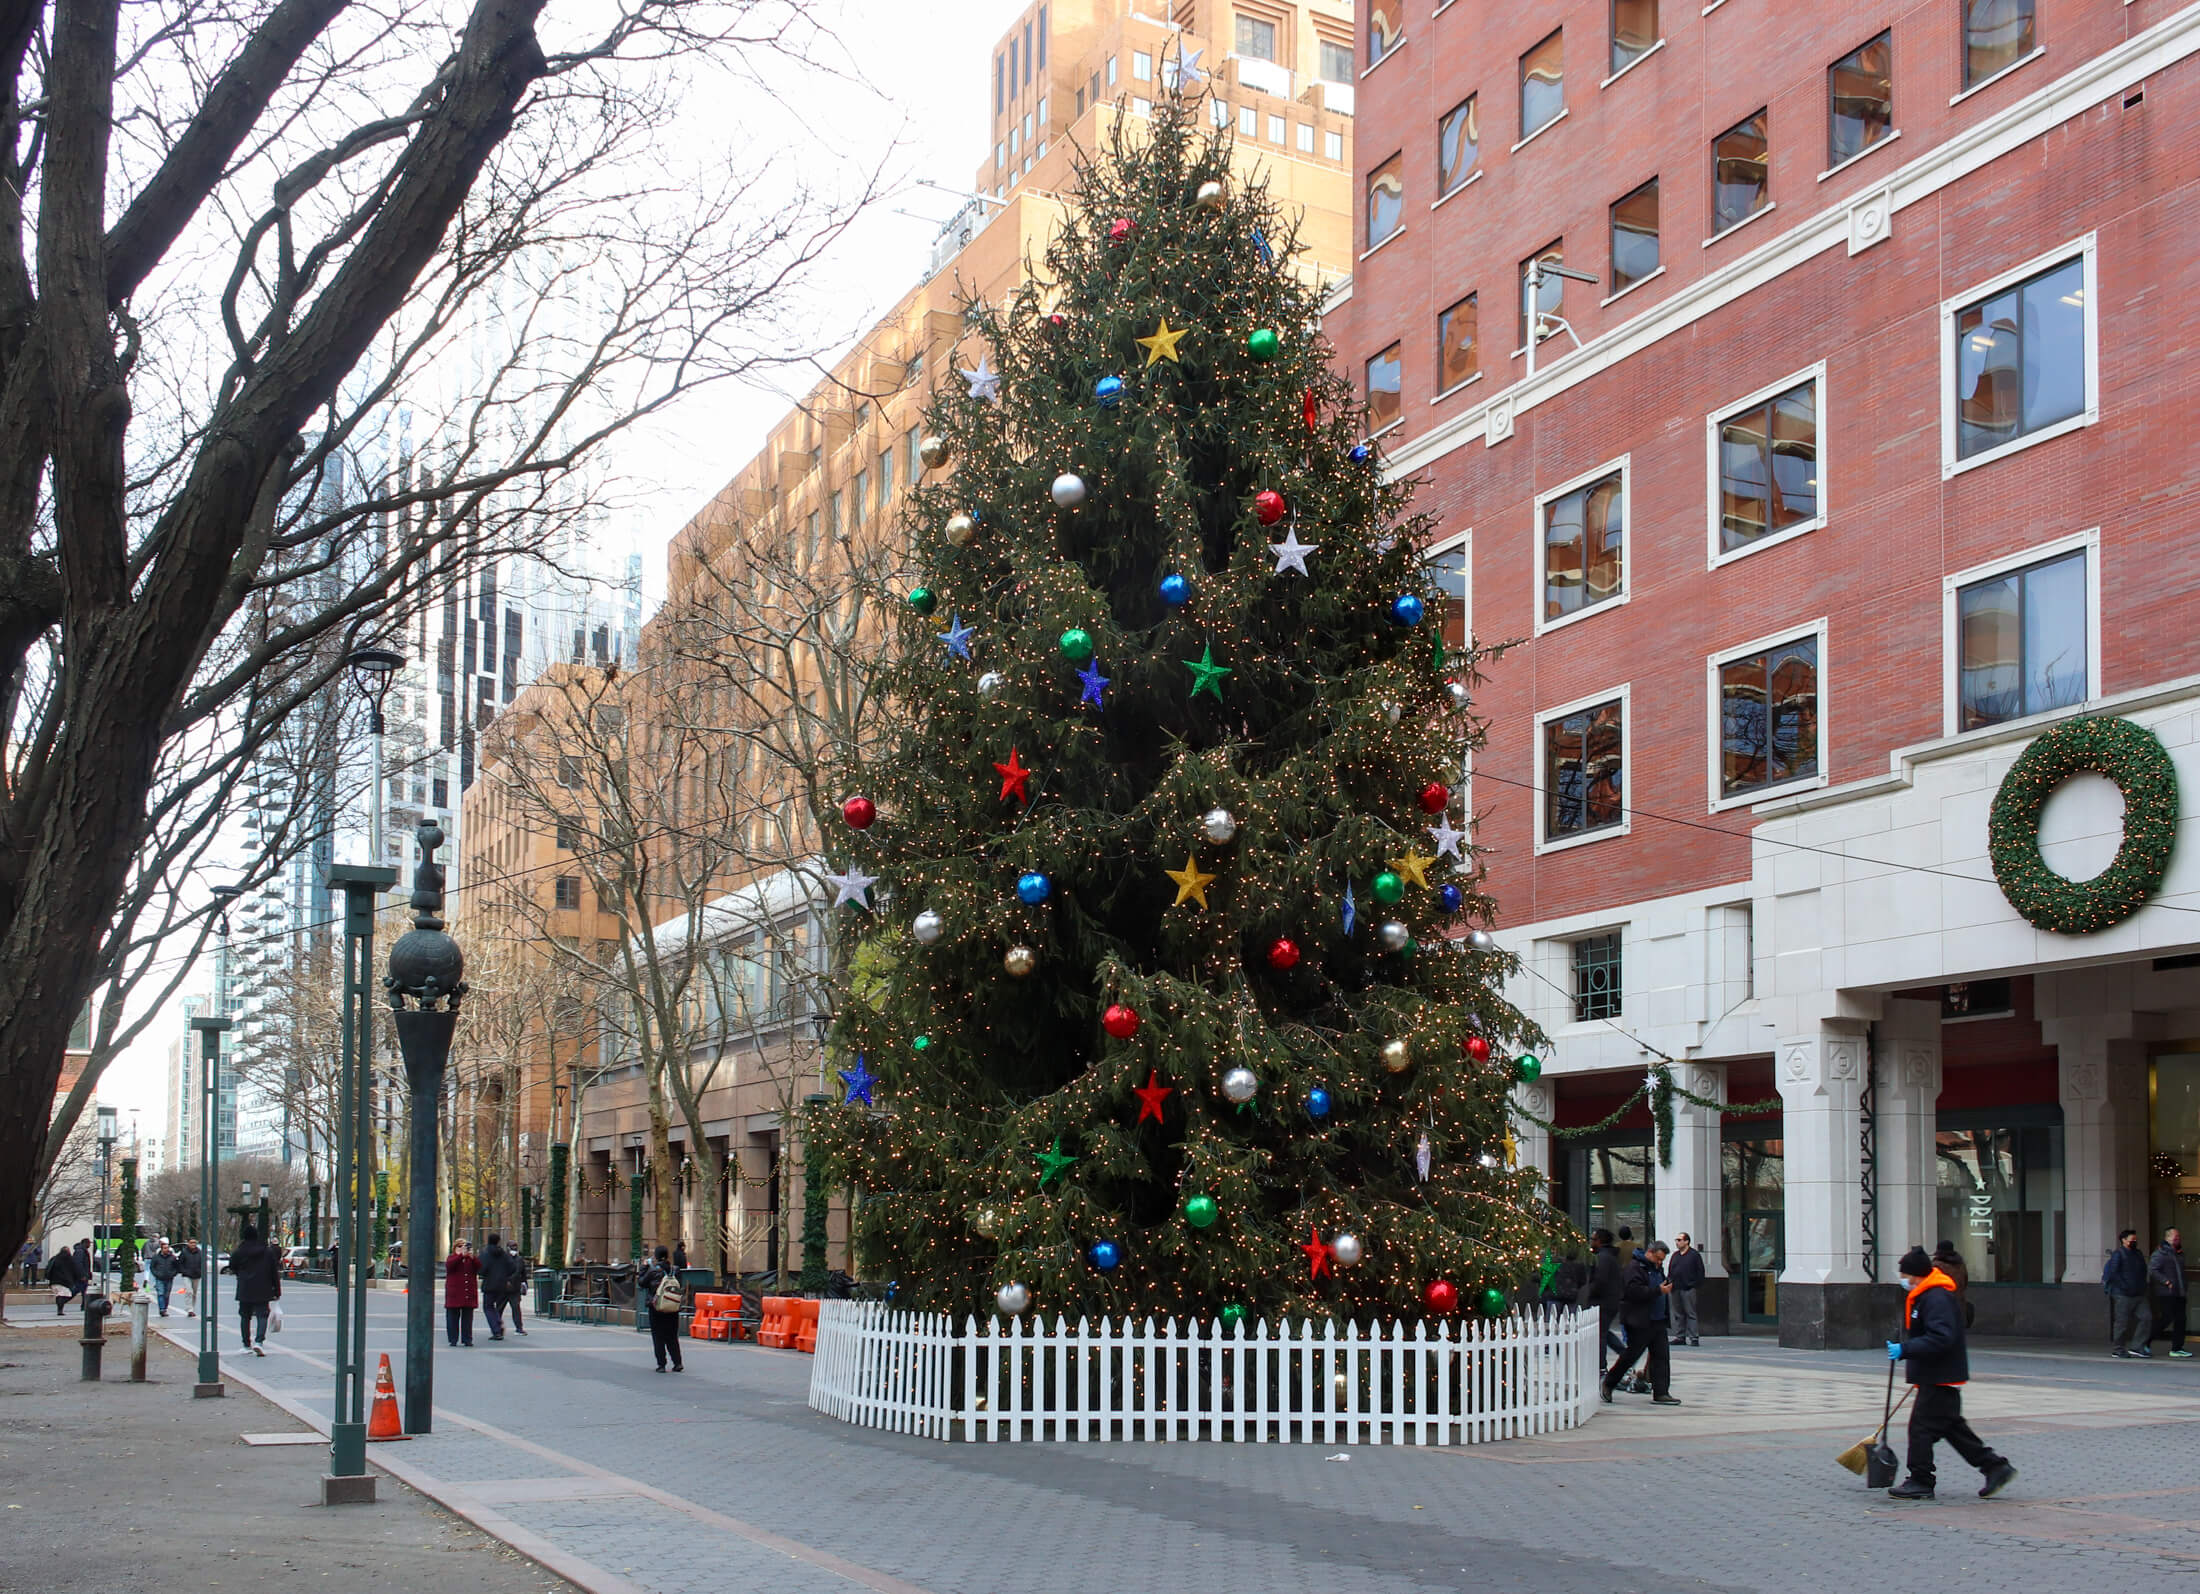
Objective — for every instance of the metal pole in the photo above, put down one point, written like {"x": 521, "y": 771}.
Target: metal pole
{"x": 203, "y": 1288}
{"x": 1535, "y": 319}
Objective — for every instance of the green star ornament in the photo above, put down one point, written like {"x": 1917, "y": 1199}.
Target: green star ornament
{"x": 1206, "y": 673}
{"x": 1053, "y": 1162}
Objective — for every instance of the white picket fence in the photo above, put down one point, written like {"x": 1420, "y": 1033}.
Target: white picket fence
{"x": 1306, "y": 1383}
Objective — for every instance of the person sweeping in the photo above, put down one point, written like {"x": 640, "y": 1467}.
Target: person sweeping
{"x": 1934, "y": 1359}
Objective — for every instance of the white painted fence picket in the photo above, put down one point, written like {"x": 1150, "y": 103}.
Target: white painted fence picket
{"x": 1307, "y": 1383}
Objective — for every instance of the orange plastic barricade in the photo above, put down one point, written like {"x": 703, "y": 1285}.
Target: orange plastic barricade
{"x": 806, "y": 1326}
{"x": 709, "y": 1321}
{"x": 777, "y": 1329}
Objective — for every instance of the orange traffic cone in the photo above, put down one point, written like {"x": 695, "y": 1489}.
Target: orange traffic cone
{"x": 383, "y": 1423}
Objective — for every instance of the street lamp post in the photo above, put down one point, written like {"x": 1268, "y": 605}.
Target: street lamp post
{"x": 1538, "y": 269}
{"x": 374, "y": 672}
{"x": 107, "y": 1137}
{"x": 426, "y": 982}
{"x": 204, "y": 1288}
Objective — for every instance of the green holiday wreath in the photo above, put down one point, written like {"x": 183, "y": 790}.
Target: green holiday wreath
{"x": 2131, "y": 756}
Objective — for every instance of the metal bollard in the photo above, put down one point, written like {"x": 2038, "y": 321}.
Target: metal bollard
{"x": 96, "y": 1310}
{"x": 138, "y": 1338}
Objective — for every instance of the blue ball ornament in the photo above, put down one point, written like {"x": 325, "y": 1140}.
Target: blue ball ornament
{"x": 1452, "y": 898}
{"x": 1317, "y": 1103}
{"x": 1362, "y": 453}
{"x": 1109, "y": 391}
{"x": 1034, "y": 888}
{"x": 1406, "y": 609}
{"x": 1176, "y": 591}
{"x": 1104, "y": 1255}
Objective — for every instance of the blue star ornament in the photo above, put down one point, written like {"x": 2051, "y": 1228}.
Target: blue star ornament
{"x": 1260, "y": 243}
{"x": 985, "y": 382}
{"x": 1351, "y": 909}
{"x": 957, "y": 637}
{"x": 859, "y": 1081}
{"x": 1095, "y": 683}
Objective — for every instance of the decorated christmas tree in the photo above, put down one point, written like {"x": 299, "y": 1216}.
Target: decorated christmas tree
{"x": 1174, "y": 1000}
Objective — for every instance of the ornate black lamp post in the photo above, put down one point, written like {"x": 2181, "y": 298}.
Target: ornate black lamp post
{"x": 425, "y": 983}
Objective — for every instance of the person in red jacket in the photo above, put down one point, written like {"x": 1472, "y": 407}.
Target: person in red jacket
{"x": 461, "y": 1294}
{"x": 1934, "y": 1357}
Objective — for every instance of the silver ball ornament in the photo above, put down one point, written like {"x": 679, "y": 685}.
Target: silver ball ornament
{"x": 1397, "y": 1056}
{"x": 962, "y": 530}
{"x": 1019, "y": 961}
{"x": 1346, "y": 1249}
{"x": 1391, "y": 711}
{"x": 1069, "y": 489}
{"x": 933, "y": 451}
{"x": 1461, "y": 698}
{"x": 1393, "y": 935}
{"x": 1013, "y": 1300}
{"x": 1211, "y": 196}
{"x": 1240, "y": 1084}
{"x": 1218, "y": 825}
{"x": 990, "y": 683}
{"x": 1481, "y": 941}
{"x": 927, "y": 927}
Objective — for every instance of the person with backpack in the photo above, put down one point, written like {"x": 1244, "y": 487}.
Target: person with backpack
{"x": 2167, "y": 1270}
{"x": 660, "y": 1293}
{"x": 2124, "y": 1281}
{"x": 1935, "y": 1360}
{"x": 497, "y": 1273}
{"x": 461, "y": 1294}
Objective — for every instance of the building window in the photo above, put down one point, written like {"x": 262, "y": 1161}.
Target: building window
{"x": 1635, "y": 237}
{"x": 441, "y": 786}
{"x": 1000, "y": 99}
{"x": 1042, "y": 109}
{"x": 1584, "y": 536}
{"x": 832, "y": 515}
{"x": 1634, "y": 31}
{"x": 1256, "y": 38}
{"x": 2023, "y": 642}
{"x": 569, "y": 771}
{"x": 1000, "y": 157}
{"x": 1550, "y": 295}
{"x": 1584, "y": 771}
{"x": 1111, "y": 71}
{"x": 569, "y": 835}
{"x": 2021, "y": 359}
{"x": 1859, "y": 100}
{"x": 1306, "y": 138}
{"x": 1458, "y": 146}
{"x": 1741, "y": 171}
{"x": 1386, "y": 199}
{"x": 1383, "y": 31}
{"x": 1027, "y": 127}
{"x": 1457, "y": 358}
{"x": 1248, "y": 121}
{"x": 1385, "y": 378}
{"x": 1768, "y": 467}
{"x": 1596, "y": 977}
{"x": 859, "y": 491}
{"x": 1027, "y": 55}
{"x": 1042, "y": 38}
{"x": 1448, "y": 565}
{"x": 1333, "y": 61}
{"x": 1998, "y": 1192}
{"x": 1218, "y": 112}
{"x": 569, "y": 891}
{"x": 1543, "y": 83}
{"x": 1278, "y": 130}
{"x": 1140, "y": 106}
{"x": 1333, "y": 146}
{"x": 1768, "y": 716}
{"x": 1080, "y": 111}
{"x": 1997, "y": 34}
{"x": 1141, "y": 67}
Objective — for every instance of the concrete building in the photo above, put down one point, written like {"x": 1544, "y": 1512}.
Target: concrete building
{"x": 1844, "y": 479}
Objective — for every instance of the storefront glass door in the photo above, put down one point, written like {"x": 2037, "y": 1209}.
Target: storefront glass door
{"x": 1611, "y": 1186}
{"x": 1754, "y": 1208}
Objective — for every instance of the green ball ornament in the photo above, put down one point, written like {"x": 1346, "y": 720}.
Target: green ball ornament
{"x": 1200, "y": 1212}
{"x": 923, "y": 1043}
{"x": 1232, "y": 1314}
{"x": 1388, "y": 887}
{"x": 923, "y": 599}
{"x": 1493, "y": 1302}
{"x": 1263, "y": 344}
{"x": 1528, "y": 1068}
{"x": 1076, "y": 645}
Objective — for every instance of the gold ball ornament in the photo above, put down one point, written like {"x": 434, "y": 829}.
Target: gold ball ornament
{"x": 934, "y": 452}
{"x": 1397, "y": 1056}
{"x": 962, "y": 530}
{"x": 987, "y": 1221}
{"x": 1211, "y": 196}
{"x": 1020, "y": 961}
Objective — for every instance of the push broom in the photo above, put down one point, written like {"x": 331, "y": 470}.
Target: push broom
{"x": 1872, "y": 1458}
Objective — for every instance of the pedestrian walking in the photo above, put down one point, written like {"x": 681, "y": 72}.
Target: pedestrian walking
{"x": 1935, "y": 1360}
{"x": 497, "y": 1270}
{"x": 2167, "y": 1272}
{"x": 84, "y": 1271}
{"x": 190, "y": 1268}
{"x": 1602, "y": 1290}
{"x": 30, "y": 1261}
{"x": 1645, "y": 1311}
{"x": 162, "y": 1265}
{"x": 2124, "y": 1279}
{"x": 1685, "y": 1272}
{"x": 522, "y": 1272}
{"x": 461, "y": 1294}
{"x": 679, "y": 1254}
{"x": 660, "y": 1293}
{"x": 61, "y": 1274}
{"x": 255, "y": 1266}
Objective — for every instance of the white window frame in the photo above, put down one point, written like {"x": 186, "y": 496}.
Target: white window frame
{"x": 1950, "y": 634}
{"x": 1461, "y": 543}
{"x": 1333, "y": 145}
{"x": 1714, "y": 727}
{"x": 1624, "y": 692}
{"x": 1306, "y": 138}
{"x": 1141, "y": 67}
{"x": 1279, "y": 129}
{"x": 1248, "y": 122}
{"x": 1715, "y": 555}
{"x": 2087, "y": 248}
{"x": 1624, "y": 464}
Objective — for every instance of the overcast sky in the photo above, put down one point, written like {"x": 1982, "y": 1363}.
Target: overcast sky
{"x": 915, "y": 97}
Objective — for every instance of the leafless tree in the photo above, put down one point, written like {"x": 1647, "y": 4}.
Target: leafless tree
{"x": 304, "y": 310}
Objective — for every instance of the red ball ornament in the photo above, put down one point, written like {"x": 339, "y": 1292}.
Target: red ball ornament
{"x": 1283, "y": 953}
{"x": 1120, "y": 229}
{"x": 1120, "y": 1021}
{"x": 1478, "y": 1048}
{"x": 1057, "y": 323}
{"x": 1442, "y": 1297}
{"x": 1268, "y": 505}
{"x": 859, "y": 812}
{"x": 1435, "y": 797}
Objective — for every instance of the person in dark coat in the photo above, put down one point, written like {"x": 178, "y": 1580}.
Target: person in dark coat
{"x": 1645, "y": 1311}
{"x": 498, "y": 1270}
{"x": 679, "y": 1254}
{"x": 664, "y": 1327}
{"x": 1684, "y": 1271}
{"x": 1936, "y": 1360}
{"x": 84, "y": 1267}
{"x": 162, "y": 1266}
{"x": 1602, "y": 1289}
{"x": 522, "y": 1272}
{"x": 1950, "y": 1261}
{"x": 2124, "y": 1279}
{"x": 61, "y": 1274}
{"x": 461, "y": 1294}
{"x": 191, "y": 1267}
{"x": 256, "y": 1267}
{"x": 2167, "y": 1273}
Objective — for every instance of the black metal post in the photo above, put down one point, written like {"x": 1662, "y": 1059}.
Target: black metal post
{"x": 204, "y": 1288}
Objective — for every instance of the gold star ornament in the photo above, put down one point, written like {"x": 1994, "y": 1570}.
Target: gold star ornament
{"x": 1162, "y": 345}
{"x": 1191, "y": 885}
{"x": 1413, "y": 866}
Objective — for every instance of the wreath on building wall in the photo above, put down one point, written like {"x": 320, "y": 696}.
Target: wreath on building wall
{"x": 2131, "y": 756}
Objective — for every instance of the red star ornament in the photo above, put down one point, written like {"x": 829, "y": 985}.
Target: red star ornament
{"x": 1317, "y": 1254}
{"x": 1151, "y": 1095}
{"x": 1015, "y": 780}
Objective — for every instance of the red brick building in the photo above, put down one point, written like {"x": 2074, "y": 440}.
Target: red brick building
{"x": 1857, "y": 466}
